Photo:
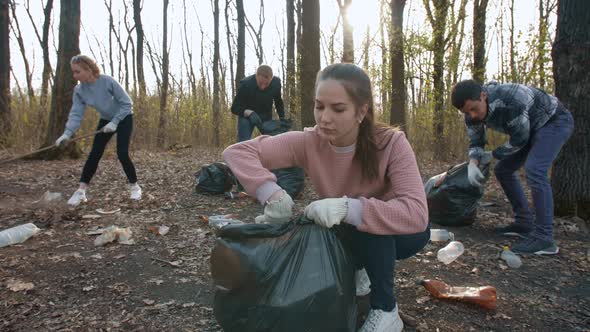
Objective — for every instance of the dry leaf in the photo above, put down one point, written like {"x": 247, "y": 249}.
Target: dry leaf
{"x": 17, "y": 285}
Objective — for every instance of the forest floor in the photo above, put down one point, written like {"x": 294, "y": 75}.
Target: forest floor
{"x": 59, "y": 280}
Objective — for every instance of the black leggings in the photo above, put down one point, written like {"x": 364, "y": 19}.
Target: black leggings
{"x": 378, "y": 255}
{"x": 123, "y": 131}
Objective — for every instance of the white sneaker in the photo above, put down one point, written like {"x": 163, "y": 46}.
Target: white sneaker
{"x": 363, "y": 284}
{"x": 383, "y": 321}
{"x": 135, "y": 191}
{"x": 78, "y": 197}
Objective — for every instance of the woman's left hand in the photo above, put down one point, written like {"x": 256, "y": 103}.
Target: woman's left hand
{"x": 327, "y": 212}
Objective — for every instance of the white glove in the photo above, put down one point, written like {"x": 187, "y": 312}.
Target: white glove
{"x": 474, "y": 175}
{"x": 277, "y": 211}
{"x": 327, "y": 212}
{"x": 247, "y": 113}
{"x": 109, "y": 128}
{"x": 62, "y": 140}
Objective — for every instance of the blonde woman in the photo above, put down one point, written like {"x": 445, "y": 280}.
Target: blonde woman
{"x": 113, "y": 104}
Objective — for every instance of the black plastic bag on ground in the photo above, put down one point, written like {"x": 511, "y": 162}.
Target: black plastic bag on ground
{"x": 294, "y": 276}
{"x": 275, "y": 127}
{"x": 452, "y": 200}
{"x": 291, "y": 180}
{"x": 215, "y": 178}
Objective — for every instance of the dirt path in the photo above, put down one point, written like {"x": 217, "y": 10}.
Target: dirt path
{"x": 162, "y": 283}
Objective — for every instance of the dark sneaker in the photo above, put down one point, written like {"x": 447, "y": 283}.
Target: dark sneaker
{"x": 535, "y": 246}
{"x": 515, "y": 229}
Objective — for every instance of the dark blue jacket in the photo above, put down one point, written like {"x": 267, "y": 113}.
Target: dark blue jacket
{"x": 513, "y": 109}
{"x": 250, "y": 97}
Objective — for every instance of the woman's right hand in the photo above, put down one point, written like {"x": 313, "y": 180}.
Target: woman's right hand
{"x": 278, "y": 209}
{"x": 61, "y": 140}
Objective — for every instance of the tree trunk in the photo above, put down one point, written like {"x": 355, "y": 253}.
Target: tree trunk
{"x": 216, "y": 73}
{"x": 310, "y": 59}
{"x": 347, "y": 29}
{"x": 511, "y": 28}
{"x": 230, "y": 48}
{"x": 139, "y": 51}
{"x": 5, "y": 114}
{"x": 439, "y": 23}
{"x": 397, "y": 115}
{"x": 63, "y": 87}
{"x": 290, "y": 82}
{"x": 571, "y": 68}
{"x": 479, "y": 40}
{"x": 165, "y": 77}
{"x": 240, "y": 61}
{"x": 21, "y": 45}
{"x": 385, "y": 84}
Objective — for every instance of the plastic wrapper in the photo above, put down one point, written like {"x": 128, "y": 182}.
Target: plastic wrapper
{"x": 294, "y": 276}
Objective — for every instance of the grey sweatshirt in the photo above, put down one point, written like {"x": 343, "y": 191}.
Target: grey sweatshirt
{"x": 106, "y": 95}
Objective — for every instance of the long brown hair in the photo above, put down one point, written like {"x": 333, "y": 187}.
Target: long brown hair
{"x": 357, "y": 84}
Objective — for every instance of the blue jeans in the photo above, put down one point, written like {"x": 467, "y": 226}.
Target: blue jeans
{"x": 537, "y": 157}
{"x": 245, "y": 129}
{"x": 377, "y": 254}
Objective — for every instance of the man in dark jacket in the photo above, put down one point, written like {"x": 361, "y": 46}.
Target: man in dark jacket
{"x": 253, "y": 101}
{"x": 538, "y": 126}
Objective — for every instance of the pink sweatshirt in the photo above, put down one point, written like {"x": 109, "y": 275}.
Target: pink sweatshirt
{"x": 395, "y": 203}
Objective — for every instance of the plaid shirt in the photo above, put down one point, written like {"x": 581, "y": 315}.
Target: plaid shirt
{"x": 513, "y": 109}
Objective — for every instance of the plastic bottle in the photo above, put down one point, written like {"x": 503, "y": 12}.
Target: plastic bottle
{"x": 235, "y": 195}
{"x": 511, "y": 258}
{"x": 449, "y": 253}
{"x": 441, "y": 235}
{"x": 17, "y": 234}
{"x": 218, "y": 221}
{"x": 484, "y": 296}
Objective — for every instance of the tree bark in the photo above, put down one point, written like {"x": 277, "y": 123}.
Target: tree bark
{"x": 571, "y": 69}
{"x": 240, "y": 61}
{"x": 230, "y": 45}
{"x": 139, "y": 51}
{"x": 439, "y": 23}
{"x": 310, "y": 59}
{"x": 479, "y": 40}
{"x": 347, "y": 30}
{"x": 5, "y": 111}
{"x": 397, "y": 115}
{"x": 290, "y": 81}
{"x": 21, "y": 45}
{"x": 165, "y": 78}
{"x": 63, "y": 87}
{"x": 216, "y": 73}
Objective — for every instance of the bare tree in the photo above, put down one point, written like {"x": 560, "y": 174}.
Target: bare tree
{"x": 21, "y": 45}
{"x": 5, "y": 114}
{"x": 240, "y": 61}
{"x": 438, "y": 22}
{"x": 290, "y": 80}
{"x": 63, "y": 87}
{"x": 385, "y": 82}
{"x": 216, "y": 110}
{"x": 329, "y": 42}
{"x": 44, "y": 42}
{"x": 310, "y": 58}
{"x": 256, "y": 34}
{"x": 571, "y": 55}
{"x": 123, "y": 49}
{"x": 188, "y": 63}
{"x": 230, "y": 44}
{"x": 479, "y": 39}
{"x": 161, "y": 137}
{"x": 139, "y": 54}
{"x": 347, "y": 38}
{"x": 546, "y": 7}
{"x": 398, "y": 83}
{"x": 513, "y": 73}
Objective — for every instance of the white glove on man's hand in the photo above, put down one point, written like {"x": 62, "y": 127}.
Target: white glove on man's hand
{"x": 62, "y": 140}
{"x": 109, "y": 128}
{"x": 327, "y": 212}
{"x": 277, "y": 211}
{"x": 474, "y": 175}
{"x": 247, "y": 113}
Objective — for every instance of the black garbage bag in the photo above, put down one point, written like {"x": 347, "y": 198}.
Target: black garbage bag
{"x": 452, "y": 200}
{"x": 215, "y": 178}
{"x": 290, "y": 179}
{"x": 275, "y": 127}
{"x": 294, "y": 276}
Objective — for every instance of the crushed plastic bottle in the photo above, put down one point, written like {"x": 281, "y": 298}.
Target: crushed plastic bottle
{"x": 450, "y": 252}
{"x": 17, "y": 234}
{"x": 441, "y": 235}
{"x": 219, "y": 221}
{"x": 484, "y": 296}
{"x": 510, "y": 258}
